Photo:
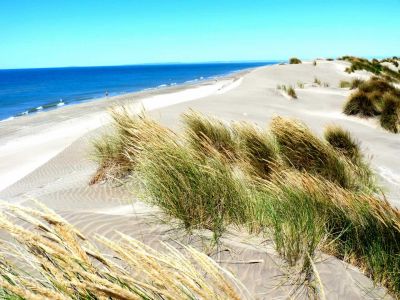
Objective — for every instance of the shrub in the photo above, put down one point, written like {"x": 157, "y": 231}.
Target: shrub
{"x": 294, "y": 61}
{"x": 390, "y": 117}
{"x": 202, "y": 131}
{"x": 317, "y": 81}
{"x": 55, "y": 261}
{"x": 344, "y": 84}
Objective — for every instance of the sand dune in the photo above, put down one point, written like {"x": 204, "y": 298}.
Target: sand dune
{"x": 60, "y": 169}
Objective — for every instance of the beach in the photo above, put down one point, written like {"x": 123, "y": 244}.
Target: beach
{"x": 46, "y": 156}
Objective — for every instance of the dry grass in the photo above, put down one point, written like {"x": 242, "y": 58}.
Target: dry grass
{"x": 57, "y": 262}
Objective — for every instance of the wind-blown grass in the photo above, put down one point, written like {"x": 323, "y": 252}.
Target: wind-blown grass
{"x": 201, "y": 132}
{"x": 376, "y": 97}
{"x": 343, "y": 142}
{"x": 258, "y": 148}
{"x": 308, "y": 212}
{"x": 203, "y": 191}
{"x": 57, "y": 262}
{"x": 304, "y": 193}
{"x": 304, "y": 151}
{"x": 114, "y": 151}
{"x": 390, "y": 117}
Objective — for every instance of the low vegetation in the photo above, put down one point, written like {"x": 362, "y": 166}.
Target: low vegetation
{"x": 374, "y": 66}
{"x": 355, "y": 83}
{"x": 376, "y": 98}
{"x": 342, "y": 141}
{"x": 344, "y": 84}
{"x": 305, "y": 193}
{"x": 53, "y": 260}
{"x": 317, "y": 81}
{"x": 294, "y": 61}
{"x": 288, "y": 89}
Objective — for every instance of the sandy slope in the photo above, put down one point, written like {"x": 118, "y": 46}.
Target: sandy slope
{"x": 62, "y": 182}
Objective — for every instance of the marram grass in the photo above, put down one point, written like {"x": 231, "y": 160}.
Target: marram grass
{"x": 53, "y": 260}
{"x": 304, "y": 193}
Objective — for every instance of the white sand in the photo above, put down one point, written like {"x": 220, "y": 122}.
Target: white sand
{"x": 32, "y": 151}
{"x": 62, "y": 182}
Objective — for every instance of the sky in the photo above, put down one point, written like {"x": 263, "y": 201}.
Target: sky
{"x": 57, "y": 33}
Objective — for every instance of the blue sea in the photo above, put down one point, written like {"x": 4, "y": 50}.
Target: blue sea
{"x": 28, "y": 91}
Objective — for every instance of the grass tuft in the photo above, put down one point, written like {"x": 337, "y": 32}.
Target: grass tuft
{"x": 390, "y": 117}
{"x": 359, "y": 103}
{"x": 343, "y": 142}
{"x": 114, "y": 151}
{"x": 294, "y": 61}
{"x": 344, "y": 84}
{"x": 55, "y": 261}
{"x": 258, "y": 148}
{"x": 355, "y": 83}
{"x": 202, "y": 131}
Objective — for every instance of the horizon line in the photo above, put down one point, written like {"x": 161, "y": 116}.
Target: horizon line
{"x": 150, "y": 64}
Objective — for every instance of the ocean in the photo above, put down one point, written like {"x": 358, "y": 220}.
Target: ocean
{"x": 28, "y": 91}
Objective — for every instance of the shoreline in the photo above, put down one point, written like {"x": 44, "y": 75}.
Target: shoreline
{"x": 55, "y": 105}
{"x": 44, "y": 135}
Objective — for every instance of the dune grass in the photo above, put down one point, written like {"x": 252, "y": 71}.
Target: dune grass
{"x": 308, "y": 213}
{"x": 304, "y": 193}
{"x": 390, "y": 116}
{"x": 294, "y": 61}
{"x": 201, "y": 132}
{"x": 288, "y": 89}
{"x": 200, "y": 189}
{"x": 53, "y": 260}
{"x": 344, "y": 84}
{"x": 376, "y": 97}
{"x": 258, "y": 148}
{"x": 302, "y": 150}
{"x": 114, "y": 151}
{"x": 355, "y": 83}
{"x": 374, "y": 66}
{"x": 343, "y": 142}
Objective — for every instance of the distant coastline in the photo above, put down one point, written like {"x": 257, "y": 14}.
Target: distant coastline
{"x": 31, "y": 91}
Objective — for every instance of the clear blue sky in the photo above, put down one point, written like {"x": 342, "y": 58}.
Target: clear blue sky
{"x": 49, "y": 33}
